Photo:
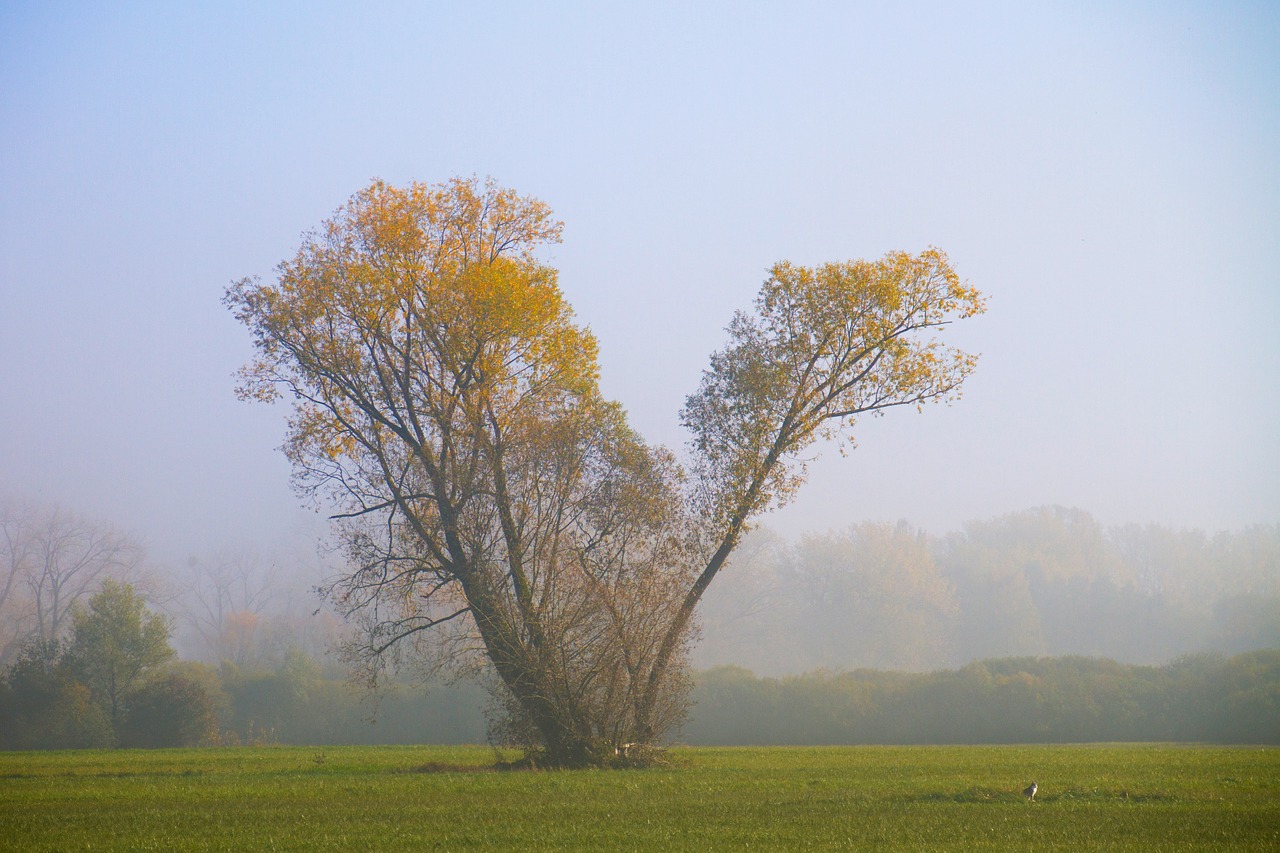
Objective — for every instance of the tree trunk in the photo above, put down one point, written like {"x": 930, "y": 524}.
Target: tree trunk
{"x": 566, "y": 742}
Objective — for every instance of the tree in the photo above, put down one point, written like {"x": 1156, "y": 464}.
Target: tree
{"x": 115, "y": 642}
{"x": 753, "y": 620}
{"x": 871, "y": 595}
{"x": 50, "y": 559}
{"x": 16, "y": 561}
{"x": 494, "y": 502}
{"x": 170, "y": 711}
{"x": 823, "y": 347}
{"x": 875, "y": 597}
{"x": 44, "y": 706}
{"x": 224, "y": 601}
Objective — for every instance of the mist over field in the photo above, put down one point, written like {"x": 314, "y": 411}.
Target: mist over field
{"x": 1050, "y": 581}
{"x": 1036, "y": 626}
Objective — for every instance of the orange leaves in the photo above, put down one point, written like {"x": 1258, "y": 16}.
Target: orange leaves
{"x": 442, "y": 278}
{"x": 414, "y": 330}
{"x": 823, "y": 346}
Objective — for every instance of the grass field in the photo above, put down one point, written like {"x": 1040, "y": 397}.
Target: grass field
{"x": 1147, "y": 797}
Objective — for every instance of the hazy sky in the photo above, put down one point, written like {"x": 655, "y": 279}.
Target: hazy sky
{"x": 1108, "y": 172}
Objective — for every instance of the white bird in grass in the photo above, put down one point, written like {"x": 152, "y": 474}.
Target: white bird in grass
{"x": 1030, "y": 793}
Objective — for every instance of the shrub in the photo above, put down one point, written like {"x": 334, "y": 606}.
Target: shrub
{"x": 44, "y": 707}
{"x": 170, "y": 711}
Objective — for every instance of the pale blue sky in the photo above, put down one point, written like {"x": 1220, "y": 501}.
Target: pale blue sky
{"x": 1107, "y": 172}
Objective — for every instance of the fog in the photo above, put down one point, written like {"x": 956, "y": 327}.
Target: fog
{"x": 1107, "y": 175}
{"x": 1044, "y": 582}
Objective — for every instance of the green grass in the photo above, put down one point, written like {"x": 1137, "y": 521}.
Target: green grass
{"x": 1148, "y": 797}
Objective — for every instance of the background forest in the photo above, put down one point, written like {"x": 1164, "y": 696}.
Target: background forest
{"x": 1036, "y": 626}
{"x": 1046, "y": 581}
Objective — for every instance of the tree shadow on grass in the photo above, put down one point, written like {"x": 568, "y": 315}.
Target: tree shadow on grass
{"x": 445, "y": 767}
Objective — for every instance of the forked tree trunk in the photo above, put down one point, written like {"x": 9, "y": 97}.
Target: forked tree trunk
{"x": 567, "y": 743}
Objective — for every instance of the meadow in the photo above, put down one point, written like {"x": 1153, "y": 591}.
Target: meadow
{"x": 1096, "y": 797}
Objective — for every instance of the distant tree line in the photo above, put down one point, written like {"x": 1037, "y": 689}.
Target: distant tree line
{"x": 884, "y": 619}
{"x": 115, "y": 682}
{"x": 236, "y": 605}
{"x": 1202, "y": 698}
{"x": 103, "y": 685}
{"x": 1199, "y": 698}
{"x": 1050, "y": 581}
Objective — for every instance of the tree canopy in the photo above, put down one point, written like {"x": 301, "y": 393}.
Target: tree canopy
{"x": 494, "y": 506}
{"x": 115, "y": 641}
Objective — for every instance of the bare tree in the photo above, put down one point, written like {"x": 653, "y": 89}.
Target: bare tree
{"x": 52, "y": 558}
{"x": 71, "y": 557}
{"x": 225, "y": 602}
{"x": 17, "y": 612}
